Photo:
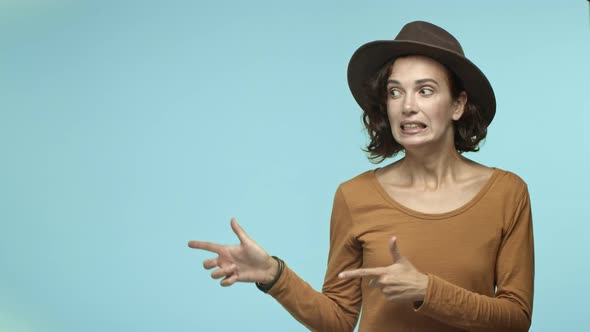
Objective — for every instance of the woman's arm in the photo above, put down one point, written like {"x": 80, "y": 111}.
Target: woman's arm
{"x": 337, "y": 307}
{"x": 511, "y": 307}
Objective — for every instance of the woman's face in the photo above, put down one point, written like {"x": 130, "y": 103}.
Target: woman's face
{"x": 420, "y": 106}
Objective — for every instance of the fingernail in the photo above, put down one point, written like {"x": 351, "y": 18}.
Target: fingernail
{"x": 341, "y": 275}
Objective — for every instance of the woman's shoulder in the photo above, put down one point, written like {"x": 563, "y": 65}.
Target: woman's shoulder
{"x": 369, "y": 176}
{"x": 360, "y": 186}
{"x": 508, "y": 185}
{"x": 361, "y": 179}
{"x": 500, "y": 176}
{"x": 509, "y": 177}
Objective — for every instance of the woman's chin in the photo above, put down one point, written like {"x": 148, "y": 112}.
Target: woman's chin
{"x": 414, "y": 142}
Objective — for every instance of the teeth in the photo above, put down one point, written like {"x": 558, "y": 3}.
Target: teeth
{"x": 412, "y": 126}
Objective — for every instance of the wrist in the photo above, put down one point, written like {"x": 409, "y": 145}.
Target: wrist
{"x": 422, "y": 291}
{"x": 274, "y": 272}
{"x": 271, "y": 272}
{"x": 423, "y": 286}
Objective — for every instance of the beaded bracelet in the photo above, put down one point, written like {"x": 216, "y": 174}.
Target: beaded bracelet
{"x": 266, "y": 287}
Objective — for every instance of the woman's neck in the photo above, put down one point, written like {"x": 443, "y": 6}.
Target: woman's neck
{"x": 431, "y": 169}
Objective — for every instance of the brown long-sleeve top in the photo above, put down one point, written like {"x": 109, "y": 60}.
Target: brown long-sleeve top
{"x": 479, "y": 260}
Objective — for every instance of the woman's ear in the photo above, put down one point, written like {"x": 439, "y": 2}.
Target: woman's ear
{"x": 459, "y": 106}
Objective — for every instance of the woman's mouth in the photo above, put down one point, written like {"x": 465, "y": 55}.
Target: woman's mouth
{"x": 412, "y": 127}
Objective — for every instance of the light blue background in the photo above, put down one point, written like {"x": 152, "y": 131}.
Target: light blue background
{"x": 128, "y": 128}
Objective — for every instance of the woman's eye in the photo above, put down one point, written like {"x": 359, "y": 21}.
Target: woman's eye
{"x": 394, "y": 92}
{"x": 426, "y": 91}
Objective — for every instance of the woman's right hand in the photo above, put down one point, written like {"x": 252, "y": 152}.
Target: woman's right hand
{"x": 245, "y": 262}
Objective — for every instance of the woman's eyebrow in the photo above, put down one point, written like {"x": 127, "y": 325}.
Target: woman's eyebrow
{"x": 420, "y": 81}
{"x": 426, "y": 80}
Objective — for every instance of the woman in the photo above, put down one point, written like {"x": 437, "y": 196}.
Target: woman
{"x": 431, "y": 242}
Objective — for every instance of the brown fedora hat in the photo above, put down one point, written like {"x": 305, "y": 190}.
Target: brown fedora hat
{"x": 427, "y": 39}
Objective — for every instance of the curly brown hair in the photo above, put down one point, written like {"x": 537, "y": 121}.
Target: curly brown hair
{"x": 469, "y": 130}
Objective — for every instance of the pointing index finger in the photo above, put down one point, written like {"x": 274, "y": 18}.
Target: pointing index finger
{"x": 359, "y": 273}
{"x": 209, "y": 246}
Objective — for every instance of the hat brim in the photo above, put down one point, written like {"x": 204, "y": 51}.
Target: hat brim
{"x": 369, "y": 58}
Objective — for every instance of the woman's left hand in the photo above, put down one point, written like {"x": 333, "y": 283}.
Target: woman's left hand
{"x": 400, "y": 282}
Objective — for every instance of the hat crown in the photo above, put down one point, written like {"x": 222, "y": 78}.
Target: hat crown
{"x": 430, "y": 34}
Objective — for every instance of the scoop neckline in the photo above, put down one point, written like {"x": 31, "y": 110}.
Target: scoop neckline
{"x": 423, "y": 215}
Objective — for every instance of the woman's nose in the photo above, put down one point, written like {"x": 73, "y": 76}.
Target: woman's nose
{"x": 409, "y": 106}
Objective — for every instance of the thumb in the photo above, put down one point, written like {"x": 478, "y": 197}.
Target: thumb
{"x": 395, "y": 254}
{"x": 239, "y": 231}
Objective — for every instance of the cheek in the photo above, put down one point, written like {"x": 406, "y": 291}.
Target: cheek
{"x": 393, "y": 112}
{"x": 393, "y": 119}
{"x": 439, "y": 119}
{"x": 441, "y": 115}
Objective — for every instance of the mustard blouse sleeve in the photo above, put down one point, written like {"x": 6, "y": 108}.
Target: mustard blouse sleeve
{"x": 337, "y": 307}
